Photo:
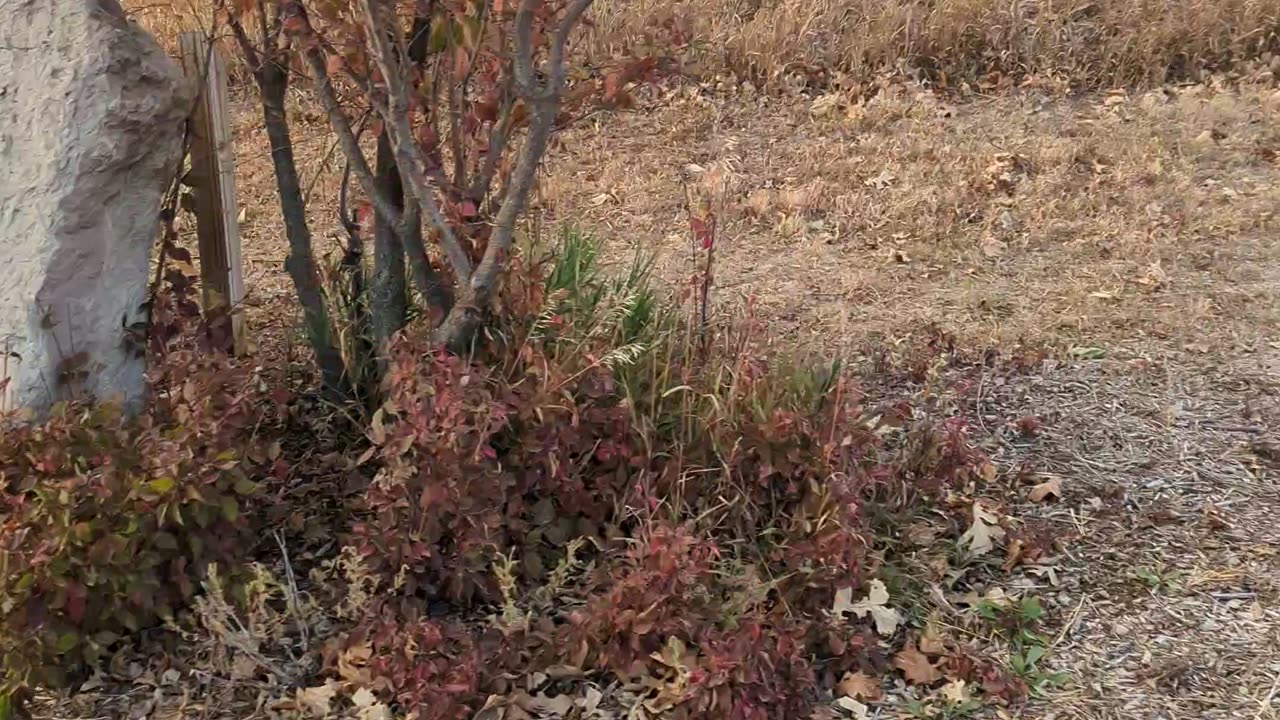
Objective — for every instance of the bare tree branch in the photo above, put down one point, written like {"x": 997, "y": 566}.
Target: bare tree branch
{"x": 246, "y": 45}
{"x": 543, "y": 100}
{"x": 499, "y": 133}
{"x": 424, "y": 276}
{"x": 413, "y": 167}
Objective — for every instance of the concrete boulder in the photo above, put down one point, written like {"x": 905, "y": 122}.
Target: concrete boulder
{"x": 91, "y": 126}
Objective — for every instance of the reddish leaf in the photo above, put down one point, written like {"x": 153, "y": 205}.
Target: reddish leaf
{"x": 704, "y": 231}
{"x": 364, "y": 215}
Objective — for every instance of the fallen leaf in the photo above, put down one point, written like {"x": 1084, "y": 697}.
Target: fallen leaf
{"x": 1204, "y": 139}
{"x": 557, "y": 706}
{"x": 987, "y": 471}
{"x": 376, "y": 711}
{"x": 915, "y": 667}
{"x": 956, "y": 692}
{"x": 858, "y": 686}
{"x": 881, "y": 181}
{"x": 590, "y": 700}
{"x": 886, "y": 618}
{"x": 995, "y": 597}
{"x": 363, "y": 698}
{"x": 353, "y": 664}
{"x": 855, "y": 709}
{"x": 1042, "y": 491}
{"x": 931, "y": 642}
{"x": 316, "y": 699}
{"x": 981, "y": 536}
{"x": 95, "y": 682}
{"x": 1012, "y": 555}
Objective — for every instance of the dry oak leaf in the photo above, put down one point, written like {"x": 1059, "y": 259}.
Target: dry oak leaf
{"x": 956, "y": 693}
{"x": 368, "y": 707}
{"x": 316, "y": 699}
{"x": 886, "y": 618}
{"x": 981, "y": 536}
{"x": 915, "y": 667}
{"x": 1042, "y": 491}
{"x": 858, "y": 686}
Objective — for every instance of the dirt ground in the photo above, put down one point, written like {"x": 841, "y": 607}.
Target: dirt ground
{"x": 1132, "y": 236}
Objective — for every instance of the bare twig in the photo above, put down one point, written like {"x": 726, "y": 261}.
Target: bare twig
{"x": 544, "y": 101}
{"x": 409, "y": 159}
{"x": 405, "y": 223}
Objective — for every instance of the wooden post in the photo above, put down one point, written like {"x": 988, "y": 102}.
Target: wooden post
{"x": 213, "y": 181}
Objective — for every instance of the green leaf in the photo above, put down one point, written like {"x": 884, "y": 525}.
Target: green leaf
{"x": 161, "y": 486}
{"x": 66, "y": 642}
{"x": 1088, "y": 353}
{"x": 1034, "y": 654}
{"x": 105, "y": 637}
{"x": 245, "y": 486}
{"x": 1031, "y": 608}
{"x": 230, "y": 509}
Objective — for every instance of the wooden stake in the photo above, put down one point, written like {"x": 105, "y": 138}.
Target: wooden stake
{"x": 213, "y": 182}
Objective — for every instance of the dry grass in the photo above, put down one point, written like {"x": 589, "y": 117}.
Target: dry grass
{"x": 1100, "y": 43}
{"x": 165, "y": 19}
{"x": 1126, "y": 223}
{"x": 1103, "y": 43}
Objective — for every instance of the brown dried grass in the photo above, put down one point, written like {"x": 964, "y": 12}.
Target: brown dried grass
{"x": 1104, "y": 43}
{"x": 1098, "y": 43}
{"x": 1137, "y": 221}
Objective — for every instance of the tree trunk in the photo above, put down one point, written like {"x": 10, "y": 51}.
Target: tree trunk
{"x": 388, "y": 296}
{"x": 273, "y": 81}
